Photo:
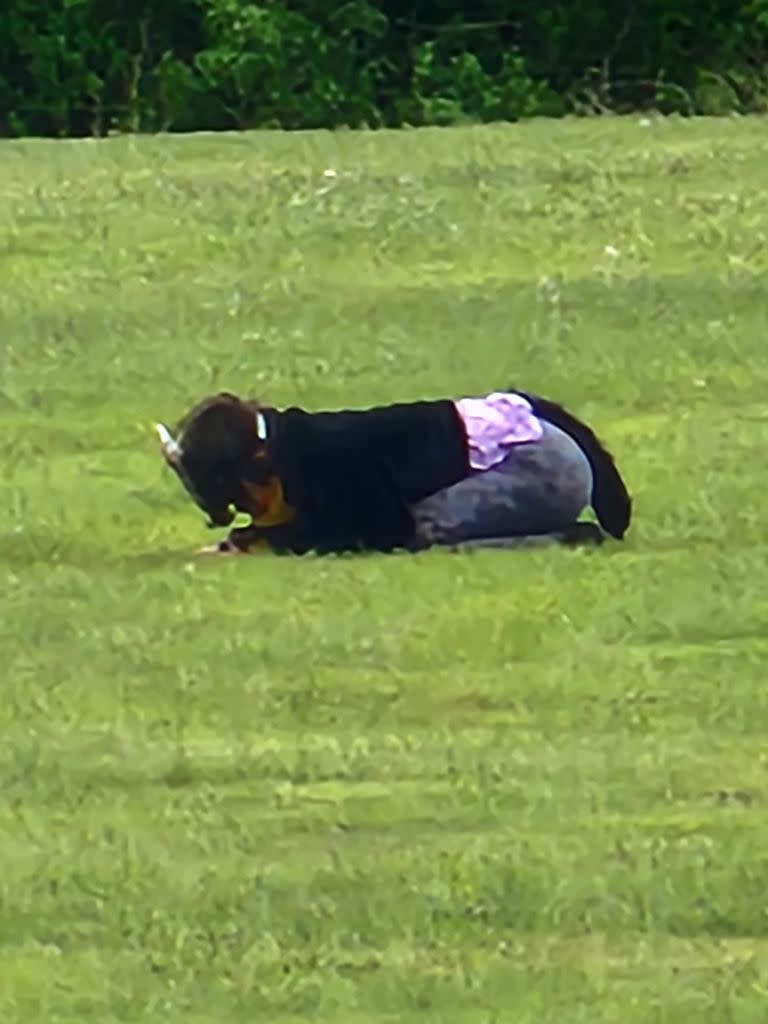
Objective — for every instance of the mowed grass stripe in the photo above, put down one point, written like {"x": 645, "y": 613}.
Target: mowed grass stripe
{"x": 509, "y": 786}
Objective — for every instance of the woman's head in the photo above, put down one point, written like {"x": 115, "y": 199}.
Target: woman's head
{"x": 219, "y": 444}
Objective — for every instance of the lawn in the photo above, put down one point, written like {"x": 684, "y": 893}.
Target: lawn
{"x": 524, "y": 787}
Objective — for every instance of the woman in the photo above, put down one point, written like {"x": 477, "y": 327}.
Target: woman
{"x": 502, "y": 470}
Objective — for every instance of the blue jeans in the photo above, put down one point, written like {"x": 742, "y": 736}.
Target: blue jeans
{"x": 539, "y": 489}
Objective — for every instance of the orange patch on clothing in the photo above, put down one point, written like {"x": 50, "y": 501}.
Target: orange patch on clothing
{"x": 269, "y": 500}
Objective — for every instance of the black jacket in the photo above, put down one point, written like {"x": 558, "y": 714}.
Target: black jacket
{"x": 352, "y": 476}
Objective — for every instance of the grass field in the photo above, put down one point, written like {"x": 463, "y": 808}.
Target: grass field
{"x": 507, "y": 787}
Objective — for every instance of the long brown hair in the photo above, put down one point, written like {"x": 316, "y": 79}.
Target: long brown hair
{"x": 219, "y": 443}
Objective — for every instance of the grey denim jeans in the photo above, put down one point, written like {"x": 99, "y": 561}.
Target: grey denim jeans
{"x": 539, "y": 489}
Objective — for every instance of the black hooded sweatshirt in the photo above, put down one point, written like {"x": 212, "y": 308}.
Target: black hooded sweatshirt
{"x": 352, "y": 476}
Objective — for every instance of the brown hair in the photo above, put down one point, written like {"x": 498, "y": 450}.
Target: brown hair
{"x": 219, "y": 446}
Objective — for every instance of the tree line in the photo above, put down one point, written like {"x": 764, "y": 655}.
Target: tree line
{"x": 72, "y": 68}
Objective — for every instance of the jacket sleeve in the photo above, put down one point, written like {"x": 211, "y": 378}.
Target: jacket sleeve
{"x": 342, "y": 480}
{"x": 355, "y": 503}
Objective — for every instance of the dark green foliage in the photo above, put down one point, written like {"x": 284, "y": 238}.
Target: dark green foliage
{"x": 82, "y": 67}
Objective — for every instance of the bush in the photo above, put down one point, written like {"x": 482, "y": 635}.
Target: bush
{"x": 83, "y": 67}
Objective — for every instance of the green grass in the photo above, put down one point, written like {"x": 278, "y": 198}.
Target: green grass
{"x": 508, "y": 787}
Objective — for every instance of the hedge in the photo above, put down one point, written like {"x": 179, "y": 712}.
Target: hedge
{"x": 88, "y": 67}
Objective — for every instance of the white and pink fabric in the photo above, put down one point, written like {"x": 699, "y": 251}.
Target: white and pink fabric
{"x": 495, "y": 424}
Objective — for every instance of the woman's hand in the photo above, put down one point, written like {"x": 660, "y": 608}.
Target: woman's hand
{"x": 224, "y": 547}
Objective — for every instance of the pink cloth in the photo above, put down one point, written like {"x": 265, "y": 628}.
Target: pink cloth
{"x": 494, "y": 424}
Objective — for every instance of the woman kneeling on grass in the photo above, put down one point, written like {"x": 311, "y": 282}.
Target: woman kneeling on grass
{"x": 506, "y": 470}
